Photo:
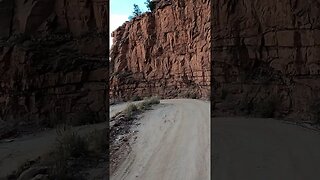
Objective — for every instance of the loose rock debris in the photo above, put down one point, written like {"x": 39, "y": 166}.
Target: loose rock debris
{"x": 120, "y": 134}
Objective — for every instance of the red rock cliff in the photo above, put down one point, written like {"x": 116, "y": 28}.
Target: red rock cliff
{"x": 266, "y": 54}
{"x": 53, "y": 61}
{"x": 166, "y": 52}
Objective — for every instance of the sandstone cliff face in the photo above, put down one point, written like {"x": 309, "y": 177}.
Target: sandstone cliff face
{"x": 53, "y": 61}
{"x": 266, "y": 52}
{"x": 165, "y": 53}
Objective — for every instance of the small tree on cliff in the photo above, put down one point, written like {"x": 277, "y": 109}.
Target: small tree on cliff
{"x": 136, "y": 11}
{"x": 151, "y": 5}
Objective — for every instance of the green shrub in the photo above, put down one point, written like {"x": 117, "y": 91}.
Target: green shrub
{"x": 151, "y": 5}
{"x": 136, "y": 11}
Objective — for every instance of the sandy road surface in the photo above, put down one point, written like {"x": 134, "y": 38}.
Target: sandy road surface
{"x": 173, "y": 143}
{"x": 14, "y": 154}
{"x": 264, "y": 149}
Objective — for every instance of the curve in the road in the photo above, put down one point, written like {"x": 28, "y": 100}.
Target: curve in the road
{"x": 173, "y": 143}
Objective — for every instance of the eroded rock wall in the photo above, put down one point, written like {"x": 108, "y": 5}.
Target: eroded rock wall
{"x": 53, "y": 61}
{"x": 165, "y": 53}
{"x": 266, "y": 52}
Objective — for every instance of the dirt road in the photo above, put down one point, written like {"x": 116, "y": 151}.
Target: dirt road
{"x": 264, "y": 149}
{"x": 173, "y": 143}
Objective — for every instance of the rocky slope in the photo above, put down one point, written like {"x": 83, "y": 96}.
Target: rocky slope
{"x": 53, "y": 61}
{"x": 266, "y": 54}
{"x": 165, "y": 52}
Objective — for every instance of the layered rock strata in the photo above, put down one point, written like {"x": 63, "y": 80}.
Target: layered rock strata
{"x": 165, "y": 52}
{"x": 53, "y": 61}
{"x": 266, "y": 54}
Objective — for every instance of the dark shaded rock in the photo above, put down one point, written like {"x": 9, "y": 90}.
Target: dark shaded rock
{"x": 266, "y": 50}
{"x": 53, "y": 63}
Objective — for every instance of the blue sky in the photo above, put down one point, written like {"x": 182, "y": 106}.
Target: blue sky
{"x": 120, "y": 10}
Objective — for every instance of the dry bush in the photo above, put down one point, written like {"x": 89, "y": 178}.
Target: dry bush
{"x": 147, "y": 103}
{"x": 130, "y": 110}
{"x": 69, "y": 145}
{"x": 154, "y": 100}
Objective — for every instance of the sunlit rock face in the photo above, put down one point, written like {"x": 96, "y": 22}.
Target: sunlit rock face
{"x": 266, "y": 54}
{"x": 53, "y": 60}
{"x": 165, "y": 52}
